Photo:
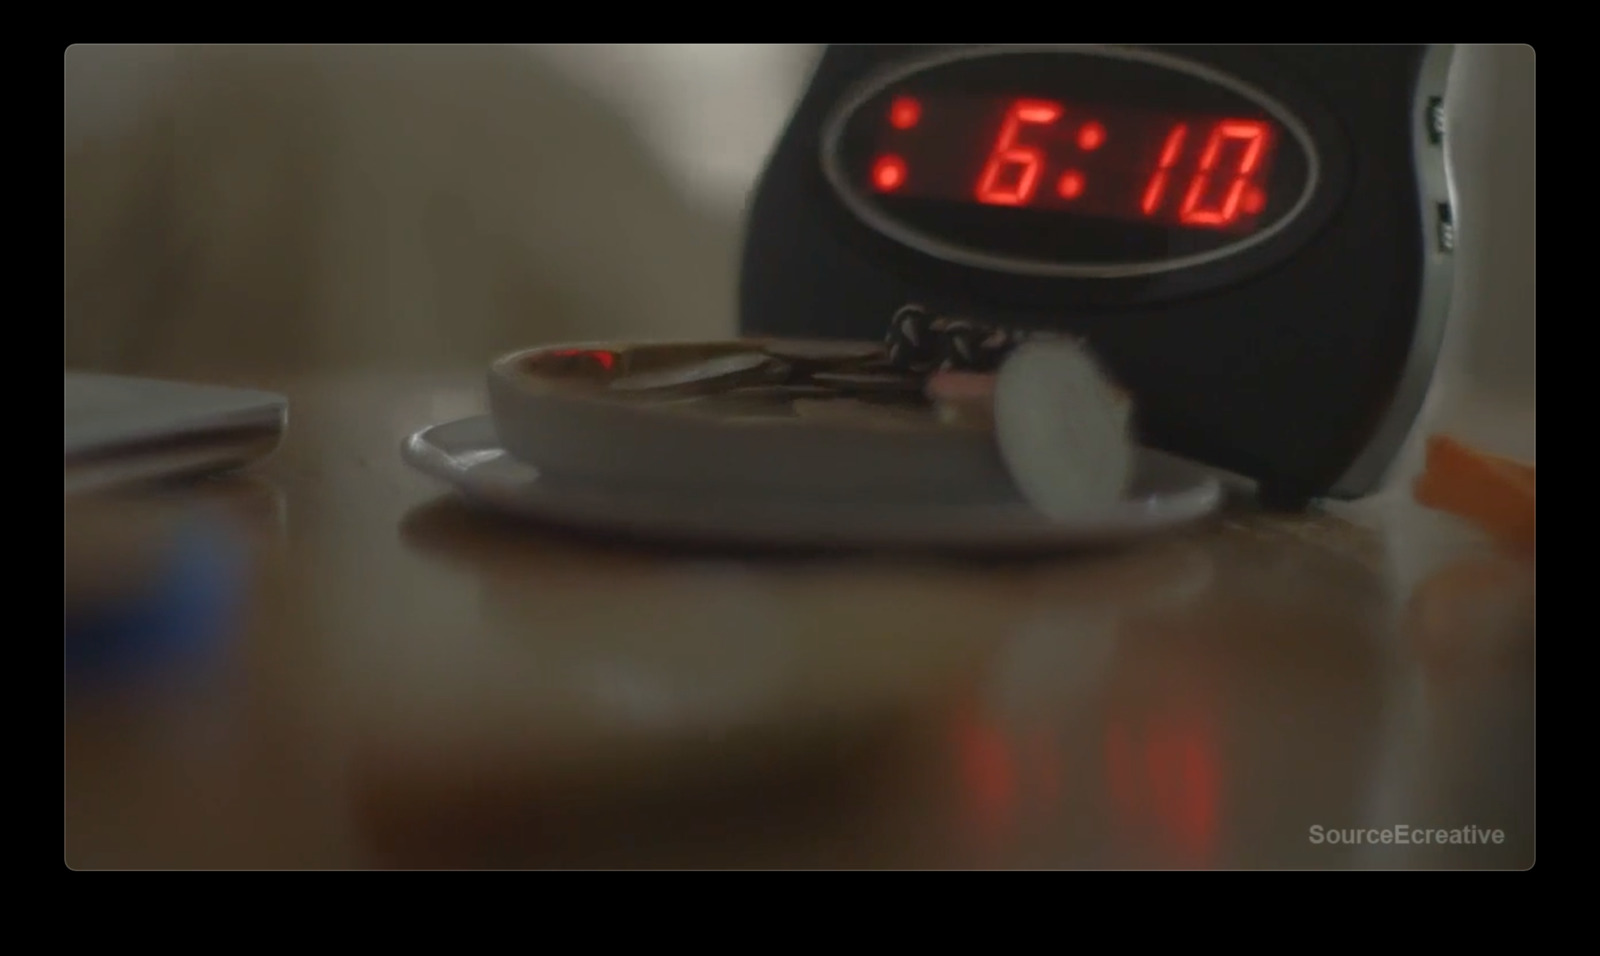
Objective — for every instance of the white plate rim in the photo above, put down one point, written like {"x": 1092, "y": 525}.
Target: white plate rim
{"x": 786, "y": 524}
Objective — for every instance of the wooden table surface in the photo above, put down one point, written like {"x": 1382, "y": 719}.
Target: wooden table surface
{"x": 415, "y": 685}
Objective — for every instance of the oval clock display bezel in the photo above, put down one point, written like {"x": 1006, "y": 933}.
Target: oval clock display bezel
{"x": 863, "y": 208}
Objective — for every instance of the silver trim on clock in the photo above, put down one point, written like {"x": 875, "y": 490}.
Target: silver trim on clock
{"x": 1434, "y": 187}
{"x": 833, "y": 130}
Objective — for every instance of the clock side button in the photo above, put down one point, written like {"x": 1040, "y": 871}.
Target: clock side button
{"x": 1435, "y": 120}
{"x": 1446, "y": 227}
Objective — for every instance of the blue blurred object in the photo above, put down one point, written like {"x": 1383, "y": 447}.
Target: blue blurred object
{"x": 186, "y": 613}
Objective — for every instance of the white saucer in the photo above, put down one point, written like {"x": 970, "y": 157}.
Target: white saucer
{"x": 1168, "y": 493}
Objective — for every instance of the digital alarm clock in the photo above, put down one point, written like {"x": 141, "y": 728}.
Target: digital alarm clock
{"x": 1256, "y": 240}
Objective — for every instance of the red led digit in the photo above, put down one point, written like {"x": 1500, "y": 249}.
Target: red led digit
{"x": 1157, "y": 189}
{"x": 1091, "y": 136}
{"x": 1254, "y": 200}
{"x": 1007, "y": 155}
{"x": 1253, "y": 135}
{"x": 1070, "y": 185}
{"x": 888, "y": 173}
{"x": 904, "y": 112}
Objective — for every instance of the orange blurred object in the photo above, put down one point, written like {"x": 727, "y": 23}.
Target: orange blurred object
{"x": 1474, "y": 607}
{"x": 1496, "y": 493}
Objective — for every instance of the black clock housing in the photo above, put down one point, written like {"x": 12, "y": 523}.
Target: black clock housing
{"x": 1273, "y": 288}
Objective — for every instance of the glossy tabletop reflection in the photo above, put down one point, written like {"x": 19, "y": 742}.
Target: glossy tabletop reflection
{"x": 415, "y": 684}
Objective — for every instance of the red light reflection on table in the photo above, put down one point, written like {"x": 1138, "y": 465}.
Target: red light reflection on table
{"x": 1002, "y": 774}
{"x": 1162, "y": 748}
{"x": 988, "y": 771}
{"x": 1164, "y": 773}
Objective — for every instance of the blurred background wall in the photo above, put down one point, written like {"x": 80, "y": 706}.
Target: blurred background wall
{"x": 289, "y": 207}
{"x": 1493, "y": 129}
{"x": 306, "y": 206}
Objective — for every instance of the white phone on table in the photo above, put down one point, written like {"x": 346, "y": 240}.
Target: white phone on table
{"x": 122, "y": 430}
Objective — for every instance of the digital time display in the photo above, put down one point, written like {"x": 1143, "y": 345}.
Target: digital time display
{"x": 1093, "y": 165}
{"x": 1189, "y": 171}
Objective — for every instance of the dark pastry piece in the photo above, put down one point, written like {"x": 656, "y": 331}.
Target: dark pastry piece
{"x": 920, "y": 342}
